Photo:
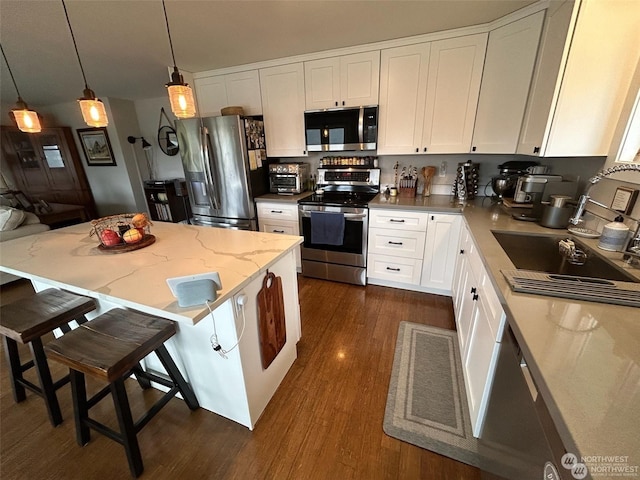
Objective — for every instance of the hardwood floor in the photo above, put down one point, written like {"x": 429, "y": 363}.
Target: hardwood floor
{"x": 324, "y": 422}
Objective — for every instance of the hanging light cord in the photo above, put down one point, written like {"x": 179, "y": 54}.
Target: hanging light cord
{"x": 10, "y": 72}
{"x": 168, "y": 33}
{"x": 74, "y": 44}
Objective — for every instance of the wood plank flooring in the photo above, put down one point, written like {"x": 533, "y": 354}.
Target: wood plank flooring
{"x": 324, "y": 422}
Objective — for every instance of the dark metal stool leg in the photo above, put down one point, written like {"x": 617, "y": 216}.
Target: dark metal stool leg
{"x": 46, "y": 383}
{"x": 171, "y": 368}
{"x": 80, "y": 407}
{"x": 15, "y": 368}
{"x": 127, "y": 427}
{"x": 144, "y": 382}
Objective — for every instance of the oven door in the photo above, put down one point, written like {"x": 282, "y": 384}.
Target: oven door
{"x": 352, "y": 252}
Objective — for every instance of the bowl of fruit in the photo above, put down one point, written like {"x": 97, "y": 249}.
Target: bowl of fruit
{"x": 123, "y": 232}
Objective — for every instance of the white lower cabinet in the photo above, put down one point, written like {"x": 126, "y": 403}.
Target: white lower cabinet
{"x": 440, "y": 252}
{"x": 282, "y": 218}
{"x": 412, "y": 249}
{"x": 480, "y": 321}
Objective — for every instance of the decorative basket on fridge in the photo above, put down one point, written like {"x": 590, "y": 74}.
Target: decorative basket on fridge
{"x": 123, "y": 232}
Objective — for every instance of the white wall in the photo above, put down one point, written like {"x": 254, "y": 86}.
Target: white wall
{"x": 148, "y": 113}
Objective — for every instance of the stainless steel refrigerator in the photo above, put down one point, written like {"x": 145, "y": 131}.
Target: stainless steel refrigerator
{"x": 223, "y": 165}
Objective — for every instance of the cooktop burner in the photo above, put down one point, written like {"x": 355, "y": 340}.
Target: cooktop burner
{"x": 355, "y": 199}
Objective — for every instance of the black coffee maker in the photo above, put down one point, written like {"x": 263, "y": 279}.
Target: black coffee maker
{"x": 504, "y": 184}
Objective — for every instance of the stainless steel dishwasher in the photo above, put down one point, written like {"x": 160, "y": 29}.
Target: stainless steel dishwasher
{"x": 518, "y": 439}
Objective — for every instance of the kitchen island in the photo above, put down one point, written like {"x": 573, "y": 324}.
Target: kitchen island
{"x": 235, "y": 387}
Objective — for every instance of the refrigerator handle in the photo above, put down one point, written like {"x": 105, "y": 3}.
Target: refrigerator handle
{"x": 211, "y": 187}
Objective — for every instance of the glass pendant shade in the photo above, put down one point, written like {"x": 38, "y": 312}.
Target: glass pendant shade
{"x": 27, "y": 120}
{"x": 93, "y": 111}
{"x": 182, "y": 103}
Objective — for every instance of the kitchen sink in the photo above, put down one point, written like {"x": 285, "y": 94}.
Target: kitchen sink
{"x": 540, "y": 253}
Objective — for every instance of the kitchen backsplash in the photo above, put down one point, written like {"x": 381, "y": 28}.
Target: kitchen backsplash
{"x": 580, "y": 169}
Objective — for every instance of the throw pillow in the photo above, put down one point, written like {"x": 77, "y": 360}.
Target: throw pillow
{"x": 10, "y": 218}
{"x": 30, "y": 218}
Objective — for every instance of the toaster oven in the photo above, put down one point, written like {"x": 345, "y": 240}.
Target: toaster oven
{"x": 288, "y": 178}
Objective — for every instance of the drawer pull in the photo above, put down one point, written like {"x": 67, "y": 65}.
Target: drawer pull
{"x": 276, "y": 211}
{"x": 393, "y": 269}
{"x": 278, "y": 231}
{"x": 395, "y": 243}
{"x": 396, "y": 221}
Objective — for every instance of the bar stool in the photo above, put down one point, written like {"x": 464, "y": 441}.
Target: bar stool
{"x": 110, "y": 348}
{"x": 26, "y": 321}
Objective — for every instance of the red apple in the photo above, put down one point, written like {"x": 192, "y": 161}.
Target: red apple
{"x": 109, "y": 238}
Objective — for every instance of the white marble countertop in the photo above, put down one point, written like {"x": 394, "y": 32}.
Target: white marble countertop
{"x": 69, "y": 258}
{"x": 584, "y": 356}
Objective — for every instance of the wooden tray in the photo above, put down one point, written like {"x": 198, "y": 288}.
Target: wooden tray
{"x": 128, "y": 247}
{"x": 272, "y": 327}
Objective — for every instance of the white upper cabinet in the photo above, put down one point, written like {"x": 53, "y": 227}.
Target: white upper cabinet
{"x": 455, "y": 71}
{"x": 586, "y": 63}
{"x": 282, "y": 90}
{"x": 403, "y": 88}
{"x": 625, "y": 147}
{"x": 347, "y": 81}
{"x": 429, "y": 94}
{"x": 235, "y": 89}
{"x": 508, "y": 68}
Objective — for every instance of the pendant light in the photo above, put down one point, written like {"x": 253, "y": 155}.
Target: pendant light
{"x": 180, "y": 93}
{"x": 27, "y": 120}
{"x": 92, "y": 108}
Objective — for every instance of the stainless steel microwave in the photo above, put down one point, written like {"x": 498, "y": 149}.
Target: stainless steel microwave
{"x": 341, "y": 129}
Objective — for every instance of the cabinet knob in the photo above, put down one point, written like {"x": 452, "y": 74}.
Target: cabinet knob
{"x": 417, "y": 149}
{"x": 473, "y": 290}
{"x": 462, "y": 251}
{"x": 473, "y": 149}
{"x": 343, "y": 103}
{"x": 475, "y": 297}
{"x": 536, "y": 149}
{"x": 425, "y": 149}
{"x": 432, "y": 218}
{"x": 336, "y": 104}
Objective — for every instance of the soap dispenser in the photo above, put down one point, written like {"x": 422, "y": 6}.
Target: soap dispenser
{"x": 614, "y": 235}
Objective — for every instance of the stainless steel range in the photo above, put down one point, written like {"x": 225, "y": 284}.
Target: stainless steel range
{"x": 334, "y": 224}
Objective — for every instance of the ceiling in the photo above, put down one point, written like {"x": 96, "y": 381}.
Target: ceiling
{"x": 124, "y": 47}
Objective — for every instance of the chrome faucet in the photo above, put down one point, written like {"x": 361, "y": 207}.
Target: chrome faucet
{"x": 585, "y": 198}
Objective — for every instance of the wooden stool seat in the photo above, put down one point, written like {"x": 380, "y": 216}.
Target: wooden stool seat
{"x": 26, "y": 321}
{"x": 110, "y": 348}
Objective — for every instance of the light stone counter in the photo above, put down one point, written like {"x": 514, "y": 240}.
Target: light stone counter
{"x": 432, "y": 203}
{"x": 69, "y": 258}
{"x": 275, "y": 198}
{"x": 584, "y": 356}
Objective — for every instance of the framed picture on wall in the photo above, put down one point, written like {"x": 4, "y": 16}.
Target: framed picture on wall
{"x": 96, "y": 146}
